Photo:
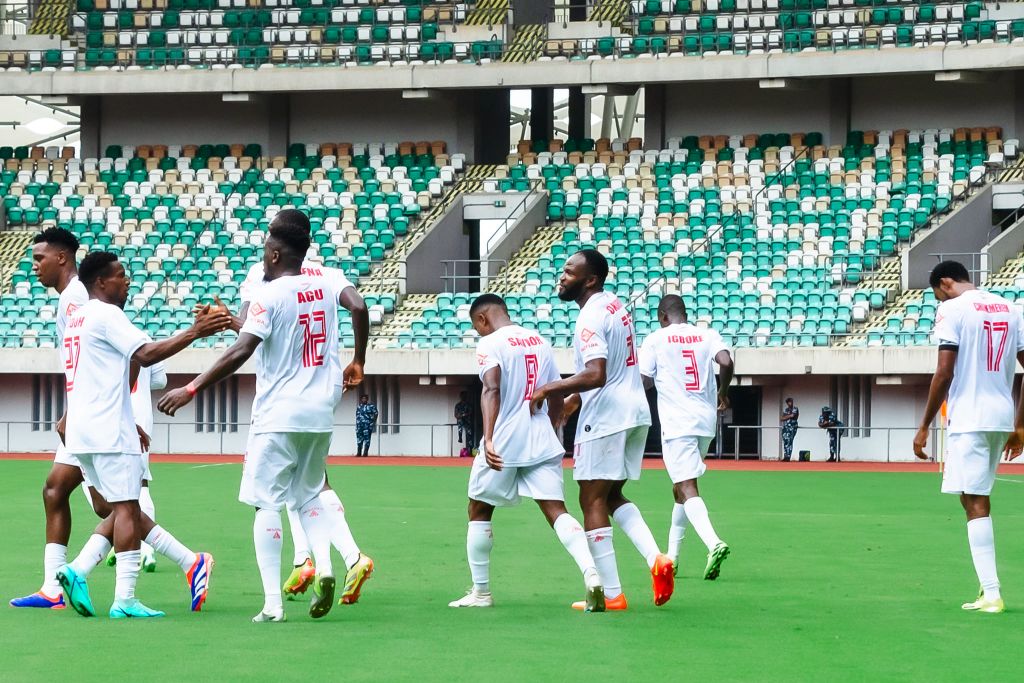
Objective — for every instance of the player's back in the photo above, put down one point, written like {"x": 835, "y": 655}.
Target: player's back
{"x": 986, "y": 331}
{"x": 681, "y": 359}
{"x": 296, "y": 317}
{"x": 604, "y": 328}
{"x": 526, "y": 362}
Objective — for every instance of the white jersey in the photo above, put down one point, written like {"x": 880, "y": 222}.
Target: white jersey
{"x": 98, "y": 344}
{"x": 604, "y": 329}
{"x": 526, "y": 362}
{"x": 153, "y": 377}
{"x": 73, "y": 297}
{"x": 988, "y": 333}
{"x": 297, "y": 319}
{"x": 681, "y": 361}
{"x": 250, "y": 288}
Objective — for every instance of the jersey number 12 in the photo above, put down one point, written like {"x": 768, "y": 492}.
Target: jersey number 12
{"x": 314, "y": 335}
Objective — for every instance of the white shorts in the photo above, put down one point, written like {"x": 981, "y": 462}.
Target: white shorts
{"x": 117, "y": 476}
{"x": 146, "y": 473}
{"x": 684, "y": 457}
{"x": 284, "y": 469}
{"x": 971, "y": 461}
{"x": 616, "y": 457}
{"x": 542, "y": 481}
{"x": 62, "y": 457}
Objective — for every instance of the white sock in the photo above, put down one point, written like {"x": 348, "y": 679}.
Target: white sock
{"x": 170, "y": 547}
{"x": 341, "y": 535}
{"x": 93, "y": 552}
{"x": 146, "y": 503}
{"x": 676, "y": 531}
{"x": 628, "y": 517}
{"x": 983, "y": 552}
{"x": 54, "y": 557}
{"x": 601, "y": 548}
{"x": 266, "y": 536}
{"x": 299, "y": 539}
{"x": 127, "y": 573}
{"x": 697, "y": 513}
{"x": 318, "y": 523}
{"x": 570, "y": 533}
{"x": 479, "y": 541}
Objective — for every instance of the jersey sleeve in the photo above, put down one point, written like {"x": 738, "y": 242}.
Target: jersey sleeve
{"x": 649, "y": 356}
{"x": 120, "y": 333}
{"x": 158, "y": 376}
{"x": 252, "y": 281}
{"x": 1020, "y": 330}
{"x": 339, "y": 283}
{"x": 258, "y": 321}
{"x": 947, "y": 326}
{"x": 593, "y": 338}
{"x": 717, "y": 343}
{"x": 486, "y": 356}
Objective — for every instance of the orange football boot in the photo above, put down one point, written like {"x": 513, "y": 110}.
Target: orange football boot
{"x": 616, "y": 604}
{"x": 663, "y": 579}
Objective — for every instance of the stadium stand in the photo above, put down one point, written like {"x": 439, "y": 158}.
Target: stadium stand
{"x": 208, "y": 33}
{"x": 701, "y": 27}
{"x": 770, "y": 238}
{"x": 189, "y": 220}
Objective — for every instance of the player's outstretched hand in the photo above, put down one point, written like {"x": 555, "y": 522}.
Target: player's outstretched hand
{"x": 174, "y": 399}
{"x": 1015, "y": 444}
{"x": 494, "y": 460}
{"x": 144, "y": 439}
{"x": 210, "y": 320}
{"x": 920, "y": 441}
{"x": 537, "y": 400}
{"x": 352, "y": 375}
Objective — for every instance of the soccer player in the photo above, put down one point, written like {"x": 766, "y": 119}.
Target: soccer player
{"x": 980, "y": 335}
{"x": 53, "y": 262}
{"x": 292, "y": 327}
{"x": 679, "y": 359}
{"x": 521, "y": 453}
{"x": 360, "y": 567}
{"x": 613, "y": 423}
{"x": 100, "y": 345}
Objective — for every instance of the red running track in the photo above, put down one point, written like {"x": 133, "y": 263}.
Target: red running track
{"x": 413, "y": 461}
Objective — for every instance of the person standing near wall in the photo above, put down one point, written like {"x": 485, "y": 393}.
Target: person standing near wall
{"x": 464, "y": 421}
{"x": 366, "y": 425}
{"x": 830, "y": 422}
{"x": 789, "y": 420}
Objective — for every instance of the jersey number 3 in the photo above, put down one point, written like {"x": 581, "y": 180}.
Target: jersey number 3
{"x": 531, "y": 375}
{"x": 994, "y": 358}
{"x": 314, "y": 335}
{"x": 690, "y": 371}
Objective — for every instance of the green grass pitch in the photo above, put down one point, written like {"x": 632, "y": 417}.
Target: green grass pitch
{"x": 833, "y": 577}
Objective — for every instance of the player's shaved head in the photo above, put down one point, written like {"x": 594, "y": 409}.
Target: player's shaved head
{"x": 672, "y": 305}
{"x": 95, "y": 265}
{"x": 488, "y": 312}
{"x": 486, "y": 300}
{"x": 293, "y": 218}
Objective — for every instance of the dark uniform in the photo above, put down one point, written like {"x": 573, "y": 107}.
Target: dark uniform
{"x": 366, "y": 424}
{"x": 789, "y": 427}
{"x": 830, "y": 422}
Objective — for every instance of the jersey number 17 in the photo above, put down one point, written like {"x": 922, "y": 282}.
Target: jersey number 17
{"x": 994, "y": 358}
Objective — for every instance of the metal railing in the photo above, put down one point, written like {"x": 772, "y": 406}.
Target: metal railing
{"x": 880, "y": 444}
{"x": 15, "y": 17}
{"x": 229, "y": 438}
{"x": 452, "y": 275}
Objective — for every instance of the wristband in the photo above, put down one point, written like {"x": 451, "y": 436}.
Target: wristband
{"x": 191, "y": 388}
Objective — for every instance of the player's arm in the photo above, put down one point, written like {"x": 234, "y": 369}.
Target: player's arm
{"x": 158, "y": 377}
{"x": 556, "y": 410}
{"x": 1015, "y": 444}
{"x": 209, "y": 321}
{"x": 937, "y": 392}
{"x": 726, "y": 369}
{"x": 593, "y": 376}
{"x": 226, "y": 365}
{"x": 490, "y": 404}
{"x": 352, "y": 302}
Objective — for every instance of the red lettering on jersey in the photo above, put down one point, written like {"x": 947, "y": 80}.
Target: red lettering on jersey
{"x": 685, "y": 339}
{"x": 312, "y": 271}
{"x": 613, "y": 307}
{"x": 76, "y": 322}
{"x": 992, "y": 308}
{"x": 311, "y": 296}
{"x": 527, "y": 342}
